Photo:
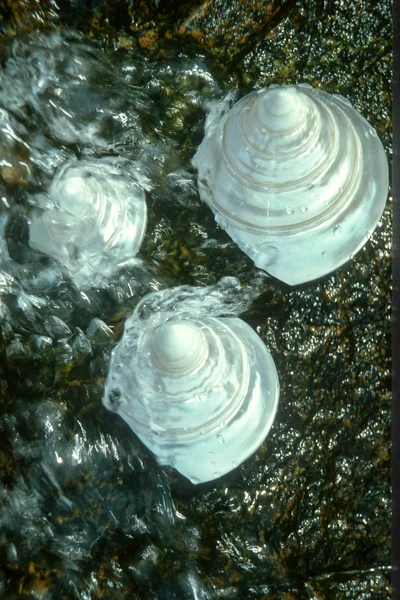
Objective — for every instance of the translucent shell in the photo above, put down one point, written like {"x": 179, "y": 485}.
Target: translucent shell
{"x": 201, "y": 393}
{"x": 95, "y": 218}
{"x": 297, "y": 178}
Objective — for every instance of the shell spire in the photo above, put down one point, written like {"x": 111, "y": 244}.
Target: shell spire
{"x": 296, "y": 176}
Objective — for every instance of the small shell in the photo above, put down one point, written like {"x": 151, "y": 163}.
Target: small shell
{"x": 296, "y": 176}
{"x": 97, "y": 220}
{"x": 201, "y": 393}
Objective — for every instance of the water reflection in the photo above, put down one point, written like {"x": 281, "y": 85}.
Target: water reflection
{"x": 85, "y": 511}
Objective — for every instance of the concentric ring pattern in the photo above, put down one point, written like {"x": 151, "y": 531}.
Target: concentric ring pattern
{"x": 95, "y": 217}
{"x": 296, "y": 176}
{"x": 201, "y": 393}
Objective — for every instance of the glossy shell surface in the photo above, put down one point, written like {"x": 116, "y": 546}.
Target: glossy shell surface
{"x": 201, "y": 393}
{"x": 94, "y": 218}
{"x": 296, "y": 176}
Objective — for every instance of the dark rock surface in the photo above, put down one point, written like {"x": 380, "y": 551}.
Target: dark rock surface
{"x": 308, "y": 516}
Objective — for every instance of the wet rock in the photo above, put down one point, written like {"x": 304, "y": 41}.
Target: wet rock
{"x": 43, "y": 348}
{"x": 63, "y": 353}
{"x": 81, "y": 346}
{"x": 307, "y": 516}
{"x": 5, "y": 325}
{"x": 12, "y": 555}
{"x": 17, "y": 352}
{"x": 56, "y": 328}
{"x": 99, "y": 334}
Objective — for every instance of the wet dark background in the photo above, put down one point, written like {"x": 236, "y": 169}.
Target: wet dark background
{"x": 84, "y": 510}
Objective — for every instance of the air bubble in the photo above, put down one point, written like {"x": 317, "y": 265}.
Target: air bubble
{"x": 267, "y": 256}
{"x": 221, "y": 439}
{"x": 229, "y": 282}
{"x": 336, "y": 230}
{"x": 324, "y": 255}
{"x": 222, "y": 222}
{"x": 304, "y": 209}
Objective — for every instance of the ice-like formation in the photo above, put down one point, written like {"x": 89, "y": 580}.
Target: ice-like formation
{"x": 94, "y": 218}
{"x": 297, "y": 178}
{"x": 70, "y": 88}
{"x": 200, "y": 391}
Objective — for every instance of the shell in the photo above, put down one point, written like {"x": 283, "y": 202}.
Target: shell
{"x": 297, "y": 178}
{"x": 95, "y": 218}
{"x": 201, "y": 393}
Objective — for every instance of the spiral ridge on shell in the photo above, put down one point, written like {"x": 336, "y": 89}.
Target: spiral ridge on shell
{"x": 94, "y": 218}
{"x": 200, "y": 392}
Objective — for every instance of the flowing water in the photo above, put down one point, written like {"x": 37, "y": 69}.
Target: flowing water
{"x": 85, "y": 510}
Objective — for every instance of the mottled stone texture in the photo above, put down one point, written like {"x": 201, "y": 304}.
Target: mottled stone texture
{"x": 308, "y": 517}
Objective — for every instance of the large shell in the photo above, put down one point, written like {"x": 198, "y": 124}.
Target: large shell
{"x": 95, "y": 218}
{"x": 201, "y": 393}
{"x": 296, "y": 176}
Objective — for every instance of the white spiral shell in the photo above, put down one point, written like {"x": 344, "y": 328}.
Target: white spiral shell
{"x": 296, "y": 176}
{"x": 201, "y": 393}
{"x": 95, "y": 218}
